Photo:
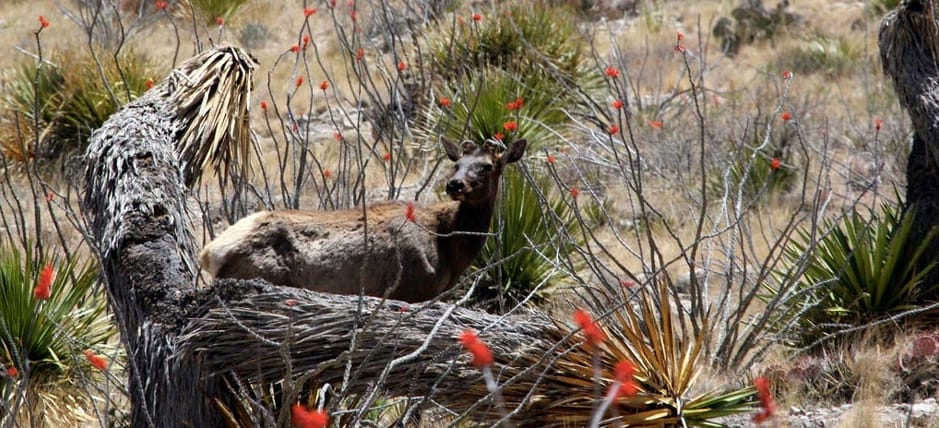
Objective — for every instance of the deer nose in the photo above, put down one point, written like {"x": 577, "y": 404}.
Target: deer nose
{"x": 455, "y": 186}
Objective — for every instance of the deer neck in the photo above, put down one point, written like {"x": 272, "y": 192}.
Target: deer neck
{"x": 466, "y": 235}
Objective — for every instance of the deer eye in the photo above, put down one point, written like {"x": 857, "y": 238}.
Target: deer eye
{"x": 487, "y": 167}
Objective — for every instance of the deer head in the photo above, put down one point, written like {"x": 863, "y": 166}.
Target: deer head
{"x": 476, "y": 174}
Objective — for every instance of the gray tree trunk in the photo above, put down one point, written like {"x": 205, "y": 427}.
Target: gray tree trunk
{"x": 909, "y": 43}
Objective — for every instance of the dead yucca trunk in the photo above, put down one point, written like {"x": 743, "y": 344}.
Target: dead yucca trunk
{"x": 909, "y": 50}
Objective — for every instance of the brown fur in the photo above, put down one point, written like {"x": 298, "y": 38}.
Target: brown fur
{"x": 327, "y": 251}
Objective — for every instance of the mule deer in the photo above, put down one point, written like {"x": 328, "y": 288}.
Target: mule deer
{"x": 414, "y": 252}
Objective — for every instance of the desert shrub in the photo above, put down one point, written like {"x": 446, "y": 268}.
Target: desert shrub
{"x": 754, "y": 174}
{"x": 66, "y": 100}
{"x": 831, "y": 55}
{"x": 520, "y": 38}
{"x": 535, "y": 236}
{"x": 668, "y": 364}
{"x": 751, "y": 22}
{"x": 44, "y": 335}
{"x": 253, "y": 35}
{"x": 209, "y": 10}
{"x": 45, "y": 339}
{"x": 858, "y": 269}
{"x": 483, "y": 104}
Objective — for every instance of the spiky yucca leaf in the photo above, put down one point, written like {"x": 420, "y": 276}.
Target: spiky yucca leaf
{"x": 208, "y": 96}
{"x": 667, "y": 366}
{"x": 479, "y": 113}
{"x": 44, "y": 339}
{"x": 859, "y": 269}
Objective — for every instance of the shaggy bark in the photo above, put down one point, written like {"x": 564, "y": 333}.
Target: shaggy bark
{"x": 186, "y": 345}
{"x": 909, "y": 43}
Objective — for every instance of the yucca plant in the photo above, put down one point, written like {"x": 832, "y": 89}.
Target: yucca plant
{"x": 856, "y": 270}
{"x": 534, "y": 236}
{"x": 481, "y": 106}
{"x": 72, "y": 101}
{"x": 519, "y": 37}
{"x": 667, "y": 366}
{"x": 210, "y": 10}
{"x": 44, "y": 339}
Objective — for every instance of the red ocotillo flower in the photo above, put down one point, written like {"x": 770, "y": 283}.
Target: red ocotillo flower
{"x": 44, "y": 286}
{"x": 623, "y": 378}
{"x": 593, "y": 335}
{"x": 324, "y": 85}
{"x": 263, "y": 105}
{"x": 309, "y": 12}
{"x": 482, "y": 356}
{"x": 445, "y": 102}
{"x": 12, "y": 371}
{"x": 657, "y": 124}
{"x": 786, "y": 115}
{"x": 162, "y": 5}
{"x": 510, "y": 126}
{"x": 774, "y": 164}
{"x": 767, "y": 407}
{"x": 477, "y": 17}
{"x": 96, "y": 361}
{"x": 219, "y": 21}
{"x": 612, "y": 72}
{"x": 299, "y": 81}
{"x": 300, "y": 417}
{"x": 618, "y": 104}
{"x": 43, "y": 22}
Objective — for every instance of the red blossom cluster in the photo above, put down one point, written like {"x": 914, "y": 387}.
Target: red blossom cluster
{"x": 618, "y": 104}
{"x": 300, "y": 417}
{"x": 510, "y": 126}
{"x": 359, "y": 54}
{"x": 767, "y": 407}
{"x": 12, "y": 371}
{"x": 550, "y": 159}
{"x": 162, "y": 5}
{"x": 309, "y": 12}
{"x": 614, "y": 129}
{"x": 657, "y": 124}
{"x": 43, "y": 289}
{"x": 612, "y": 72}
{"x": 43, "y": 22}
{"x": 878, "y": 123}
{"x": 445, "y": 102}
{"x": 482, "y": 356}
{"x": 324, "y": 85}
{"x": 299, "y": 81}
{"x": 515, "y": 105}
{"x": 263, "y": 105}
{"x": 593, "y": 335}
{"x": 96, "y": 361}
{"x": 477, "y": 17}
{"x": 774, "y": 164}
{"x": 786, "y": 116}
{"x": 623, "y": 377}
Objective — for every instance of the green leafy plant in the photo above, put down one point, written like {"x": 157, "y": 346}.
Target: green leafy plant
{"x": 45, "y": 334}
{"x": 667, "y": 366}
{"x": 860, "y": 269}
{"x": 480, "y": 110}
{"x": 44, "y": 339}
{"x": 831, "y": 55}
{"x": 754, "y": 174}
{"x": 533, "y": 232}
{"x": 67, "y": 99}
{"x": 210, "y": 10}
{"x": 507, "y": 39}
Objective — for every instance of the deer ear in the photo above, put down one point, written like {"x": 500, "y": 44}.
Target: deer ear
{"x": 515, "y": 151}
{"x": 454, "y": 152}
